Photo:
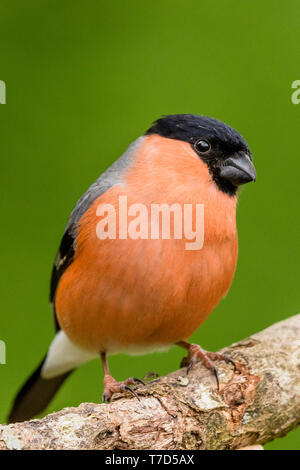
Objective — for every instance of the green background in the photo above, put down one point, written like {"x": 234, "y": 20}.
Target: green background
{"x": 83, "y": 80}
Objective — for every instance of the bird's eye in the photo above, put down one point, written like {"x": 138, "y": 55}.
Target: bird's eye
{"x": 202, "y": 146}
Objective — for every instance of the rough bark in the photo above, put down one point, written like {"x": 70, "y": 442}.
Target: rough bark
{"x": 257, "y": 403}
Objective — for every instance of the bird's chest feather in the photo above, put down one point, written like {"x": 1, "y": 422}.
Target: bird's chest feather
{"x": 124, "y": 293}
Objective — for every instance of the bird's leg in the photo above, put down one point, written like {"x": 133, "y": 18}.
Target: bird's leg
{"x": 195, "y": 353}
{"x": 111, "y": 386}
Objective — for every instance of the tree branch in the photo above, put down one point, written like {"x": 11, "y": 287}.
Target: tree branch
{"x": 256, "y": 404}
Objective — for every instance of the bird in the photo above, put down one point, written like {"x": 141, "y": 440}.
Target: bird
{"x": 138, "y": 295}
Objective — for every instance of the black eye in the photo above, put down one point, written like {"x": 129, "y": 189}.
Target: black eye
{"x": 202, "y": 146}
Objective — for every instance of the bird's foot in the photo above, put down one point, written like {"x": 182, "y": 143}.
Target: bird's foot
{"x": 111, "y": 386}
{"x": 196, "y": 353}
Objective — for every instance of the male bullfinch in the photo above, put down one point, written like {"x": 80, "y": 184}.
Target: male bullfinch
{"x": 141, "y": 294}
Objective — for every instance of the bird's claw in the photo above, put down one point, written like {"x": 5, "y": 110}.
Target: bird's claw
{"x": 217, "y": 377}
{"x": 230, "y": 361}
{"x": 140, "y": 381}
{"x": 105, "y": 397}
{"x": 197, "y": 353}
{"x": 111, "y": 386}
{"x": 125, "y": 388}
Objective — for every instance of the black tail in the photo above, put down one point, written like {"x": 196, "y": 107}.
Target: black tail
{"x": 35, "y": 395}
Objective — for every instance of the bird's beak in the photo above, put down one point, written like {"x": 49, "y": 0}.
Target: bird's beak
{"x": 238, "y": 169}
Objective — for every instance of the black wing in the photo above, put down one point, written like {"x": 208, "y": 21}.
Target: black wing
{"x": 62, "y": 261}
{"x": 65, "y": 255}
{"x": 66, "y": 251}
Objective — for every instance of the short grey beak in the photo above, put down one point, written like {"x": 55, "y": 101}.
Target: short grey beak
{"x": 238, "y": 169}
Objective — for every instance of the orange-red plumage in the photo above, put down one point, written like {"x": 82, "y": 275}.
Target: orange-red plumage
{"x": 139, "y": 294}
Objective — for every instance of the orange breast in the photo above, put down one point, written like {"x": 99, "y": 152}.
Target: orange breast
{"x": 139, "y": 294}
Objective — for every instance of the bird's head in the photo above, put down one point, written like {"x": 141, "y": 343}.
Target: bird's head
{"x": 219, "y": 146}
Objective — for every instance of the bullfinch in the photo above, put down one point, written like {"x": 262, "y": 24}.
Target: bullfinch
{"x": 116, "y": 293}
